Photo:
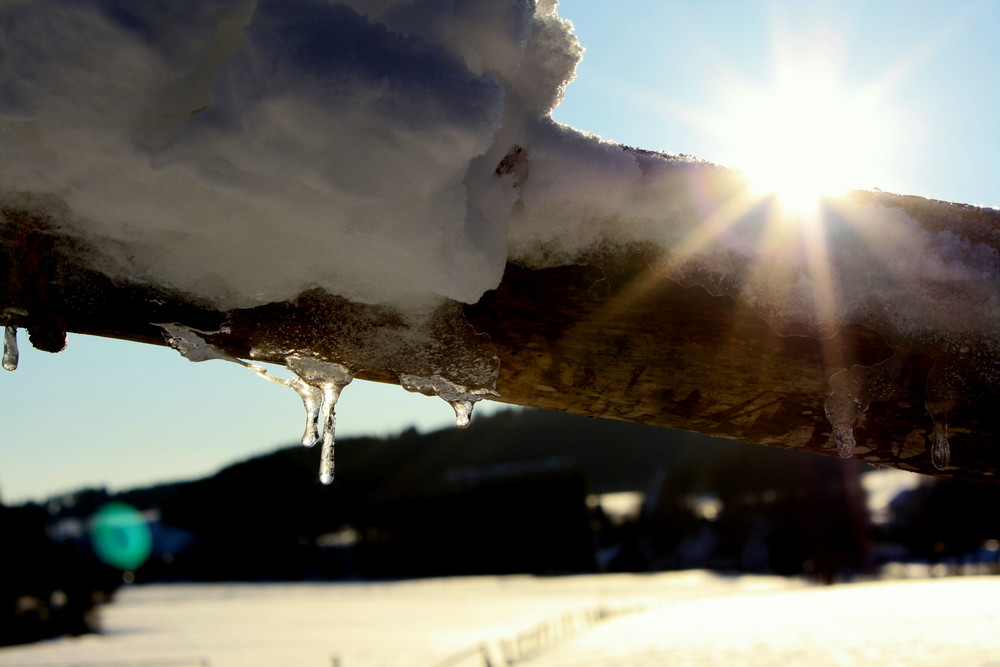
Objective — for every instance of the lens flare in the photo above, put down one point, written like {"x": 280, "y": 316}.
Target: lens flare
{"x": 120, "y": 536}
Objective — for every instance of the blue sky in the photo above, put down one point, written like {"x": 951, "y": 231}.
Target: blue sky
{"x": 119, "y": 414}
{"x": 648, "y": 62}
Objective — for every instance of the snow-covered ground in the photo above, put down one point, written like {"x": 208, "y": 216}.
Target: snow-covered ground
{"x": 927, "y": 622}
{"x": 690, "y": 618}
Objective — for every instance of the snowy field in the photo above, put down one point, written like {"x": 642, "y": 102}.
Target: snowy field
{"x": 685, "y": 618}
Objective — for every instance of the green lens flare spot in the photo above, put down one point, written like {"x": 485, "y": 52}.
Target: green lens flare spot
{"x": 121, "y": 536}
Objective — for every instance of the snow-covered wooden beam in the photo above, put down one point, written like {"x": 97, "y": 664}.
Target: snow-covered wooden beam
{"x": 617, "y": 342}
{"x": 379, "y": 190}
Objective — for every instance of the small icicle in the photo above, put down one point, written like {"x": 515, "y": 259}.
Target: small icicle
{"x": 463, "y": 412}
{"x": 843, "y": 411}
{"x": 10, "y": 353}
{"x": 945, "y": 389}
{"x": 331, "y": 394}
{"x": 940, "y": 449}
{"x": 313, "y": 401}
{"x": 844, "y": 436}
{"x": 319, "y": 397}
{"x": 329, "y": 379}
{"x": 318, "y": 384}
{"x": 460, "y": 398}
{"x": 852, "y": 392}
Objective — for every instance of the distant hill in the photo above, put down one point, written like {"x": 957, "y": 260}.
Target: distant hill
{"x": 508, "y": 494}
{"x": 512, "y": 493}
{"x": 518, "y": 472}
{"x": 610, "y": 456}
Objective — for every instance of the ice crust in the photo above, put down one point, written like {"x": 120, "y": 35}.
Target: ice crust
{"x": 462, "y": 399}
{"x": 244, "y": 152}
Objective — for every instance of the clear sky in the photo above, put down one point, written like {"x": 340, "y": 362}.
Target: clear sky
{"x": 658, "y": 74}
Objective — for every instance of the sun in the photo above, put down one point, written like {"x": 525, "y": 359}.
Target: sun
{"x": 807, "y": 136}
{"x": 801, "y": 143}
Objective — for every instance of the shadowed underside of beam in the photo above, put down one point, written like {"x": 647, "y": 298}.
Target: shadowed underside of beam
{"x": 628, "y": 345}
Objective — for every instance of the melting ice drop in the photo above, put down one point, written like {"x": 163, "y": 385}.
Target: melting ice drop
{"x": 463, "y": 412}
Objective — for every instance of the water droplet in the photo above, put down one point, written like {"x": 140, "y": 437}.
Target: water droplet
{"x": 463, "y": 412}
{"x": 940, "y": 449}
{"x": 10, "y": 353}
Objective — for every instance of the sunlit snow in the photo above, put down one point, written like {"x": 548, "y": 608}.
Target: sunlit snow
{"x": 680, "y": 618}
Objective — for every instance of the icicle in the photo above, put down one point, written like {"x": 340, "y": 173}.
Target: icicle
{"x": 945, "y": 387}
{"x": 318, "y": 384}
{"x": 463, "y": 412}
{"x": 853, "y": 391}
{"x": 10, "y": 353}
{"x": 461, "y": 399}
{"x": 940, "y": 449}
{"x": 843, "y": 411}
{"x": 319, "y": 397}
{"x": 330, "y": 379}
{"x": 331, "y": 393}
{"x": 312, "y": 400}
